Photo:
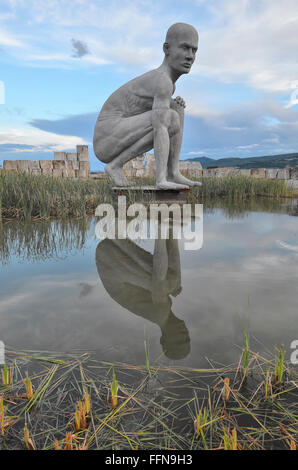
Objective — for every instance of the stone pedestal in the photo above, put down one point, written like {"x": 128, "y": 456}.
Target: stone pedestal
{"x": 150, "y": 194}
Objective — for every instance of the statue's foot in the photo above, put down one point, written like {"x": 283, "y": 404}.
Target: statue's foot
{"x": 171, "y": 185}
{"x": 117, "y": 175}
{"x": 182, "y": 180}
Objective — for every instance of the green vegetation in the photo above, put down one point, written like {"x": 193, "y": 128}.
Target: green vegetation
{"x": 239, "y": 188}
{"x": 279, "y": 365}
{"x": 26, "y": 197}
{"x": 245, "y": 355}
{"x": 73, "y": 401}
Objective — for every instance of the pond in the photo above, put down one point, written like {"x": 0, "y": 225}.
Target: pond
{"x": 63, "y": 290}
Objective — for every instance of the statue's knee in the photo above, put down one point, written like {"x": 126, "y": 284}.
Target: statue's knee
{"x": 174, "y": 123}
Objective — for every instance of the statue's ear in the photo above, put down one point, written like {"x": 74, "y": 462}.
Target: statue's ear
{"x": 166, "y": 48}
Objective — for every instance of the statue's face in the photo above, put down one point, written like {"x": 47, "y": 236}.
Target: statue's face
{"x": 182, "y": 51}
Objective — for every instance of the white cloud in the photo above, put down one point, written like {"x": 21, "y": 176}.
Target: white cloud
{"x": 253, "y": 42}
{"x": 50, "y": 59}
{"x": 195, "y": 153}
{"x": 294, "y": 95}
{"x": 254, "y": 129}
{"x": 250, "y": 146}
{"x": 7, "y": 39}
{"x": 41, "y": 140}
{"x": 287, "y": 246}
{"x": 112, "y": 32}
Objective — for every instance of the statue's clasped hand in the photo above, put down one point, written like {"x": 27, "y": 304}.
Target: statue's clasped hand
{"x": 180, "y": 101}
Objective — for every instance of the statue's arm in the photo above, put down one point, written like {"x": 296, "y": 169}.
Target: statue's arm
{"x": 160, "y": 123}
{"x": 160, "y": 289}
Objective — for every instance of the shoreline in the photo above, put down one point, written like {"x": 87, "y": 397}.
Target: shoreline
{"x": 250, "y": 405}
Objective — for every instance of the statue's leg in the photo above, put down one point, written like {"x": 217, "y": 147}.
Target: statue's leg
{"x": 120, "y": 139}
{"x": 117, "y": 141}
{"x": 115, "y": 168}
{"x": 132, "y": 264}
{"x": 174, "y": 174}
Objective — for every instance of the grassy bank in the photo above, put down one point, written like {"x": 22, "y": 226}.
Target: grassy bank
{"x": 76, "y": 402}
{"x": 26, "y": 197}
{"x": 240, "y": 187}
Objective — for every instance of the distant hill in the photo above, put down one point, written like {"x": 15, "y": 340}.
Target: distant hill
{"x": 270, "y": 161}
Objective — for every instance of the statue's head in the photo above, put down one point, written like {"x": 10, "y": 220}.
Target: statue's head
{"x": 175, "y": 340}
{"x": 180, "y": 47}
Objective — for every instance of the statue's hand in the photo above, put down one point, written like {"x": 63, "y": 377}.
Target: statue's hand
{"x": 178, "y": 104}
{"x": 178, "y": 101}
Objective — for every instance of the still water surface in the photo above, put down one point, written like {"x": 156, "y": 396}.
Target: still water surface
{"x": 61, "y": 289}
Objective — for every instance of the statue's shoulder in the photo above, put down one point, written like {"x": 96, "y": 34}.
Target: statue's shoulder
{"x": 161, "y": 82}
{"x": 155, "y": 80}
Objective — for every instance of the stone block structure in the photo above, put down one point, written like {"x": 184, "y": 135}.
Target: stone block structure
{"x": 76, "y": 165}
{"x": 258, "y": 172}
{"x": 271, "y": 173}
{"x": 144, "y": 166}
{"x": 65, "y": 164}
{"x": 191, "y": 169}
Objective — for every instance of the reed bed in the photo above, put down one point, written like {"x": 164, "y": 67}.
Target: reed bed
{"x": 238, "y": 188}
{"x": 27, "y": 197}
{"x": 24, "y": 196}
{"x": 76, "y": 402}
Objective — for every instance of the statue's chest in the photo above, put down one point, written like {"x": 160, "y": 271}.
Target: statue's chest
{"x": 137, "y": 103}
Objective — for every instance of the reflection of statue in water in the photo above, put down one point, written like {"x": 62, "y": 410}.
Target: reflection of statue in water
{"x": 143, "y": 284}
{"x": 142, "y": 115}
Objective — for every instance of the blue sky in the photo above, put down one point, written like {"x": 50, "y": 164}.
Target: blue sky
{"x": 61, "y": 59}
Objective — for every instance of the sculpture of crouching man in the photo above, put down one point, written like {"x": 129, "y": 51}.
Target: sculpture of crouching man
{"x": 142, "y": 115}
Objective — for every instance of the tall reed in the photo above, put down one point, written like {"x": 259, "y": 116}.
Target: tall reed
{"x": 24, "y": 196}
{"x": 279, "y": 365}
{"x": 238, "y": 187}
{"x": 245, "y": 355}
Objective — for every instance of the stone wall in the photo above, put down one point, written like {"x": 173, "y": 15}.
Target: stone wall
{"x": 289, "y": 175}
{"x": 65, "y": 164}
{"x": 76, "y": 165}
{"x": 144, "y": 166}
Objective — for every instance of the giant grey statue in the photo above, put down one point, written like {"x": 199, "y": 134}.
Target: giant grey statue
{"x": 142, "y": 115}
